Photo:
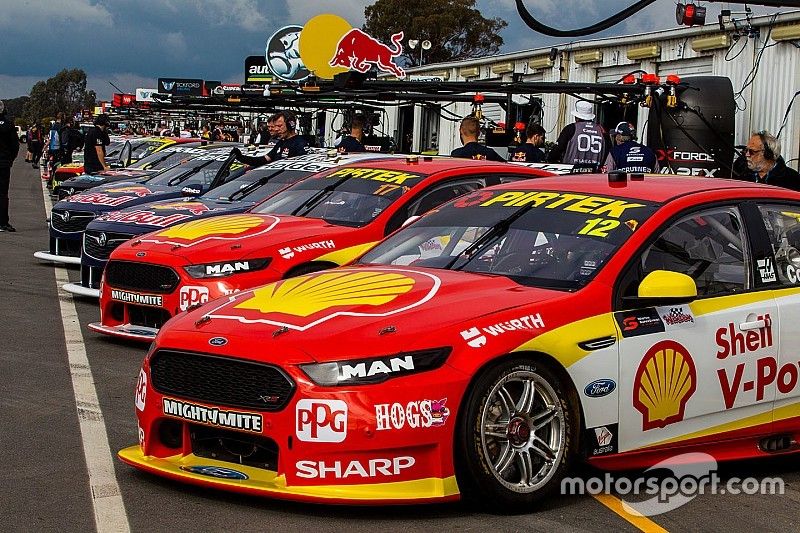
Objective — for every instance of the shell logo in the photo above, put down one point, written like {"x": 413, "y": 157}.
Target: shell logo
{"x": 307, "y": 295}
{"x": 231, "y": 225}
{"x": 307, "y": 301}
{"x": 664, "y": 382}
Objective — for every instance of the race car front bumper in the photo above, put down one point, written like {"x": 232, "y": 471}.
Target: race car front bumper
{"x": 66, "y": 259}
{"x": 126, "y": 331}
{"x": 80, "y": 290}
{"x": 268, "y": 483}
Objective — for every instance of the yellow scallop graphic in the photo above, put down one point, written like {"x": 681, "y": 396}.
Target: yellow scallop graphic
{"x": 306, "y": 295}
{"x": 230, "y": 225}
{"x": 665, "y": 381}
{"x": 177, "y": 205}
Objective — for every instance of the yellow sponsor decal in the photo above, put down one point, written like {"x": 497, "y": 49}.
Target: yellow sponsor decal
{"x": 664, "y": 382}
{"x": 562, "y": 342}
{"x": 389, "y": 176}
{"x": 346, "y": 255}
{"x": 178, "y": 205}
{"x": 579, "y": 203}
{"x": 230, "y": 225}
{"x": 307, "y": 295}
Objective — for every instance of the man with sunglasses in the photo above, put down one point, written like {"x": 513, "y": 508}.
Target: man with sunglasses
{"x": 765, "y": 164}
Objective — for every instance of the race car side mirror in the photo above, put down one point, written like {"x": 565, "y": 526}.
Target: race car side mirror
{"x": 664, "y": 287}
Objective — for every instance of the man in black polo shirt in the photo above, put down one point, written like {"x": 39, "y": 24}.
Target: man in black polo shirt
{"x": 94, "y": 156}
{"x": 530, "y": 151}
{"x": 350, "y": 144}
{"x": 289, "y": 144}
{"x": 472, "y": 149}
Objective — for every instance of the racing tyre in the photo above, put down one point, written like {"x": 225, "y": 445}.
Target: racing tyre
{"x": 516, "y": 436}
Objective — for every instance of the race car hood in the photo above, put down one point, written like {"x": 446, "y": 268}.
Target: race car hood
{"x": 153, "y": 216}
{"x": 93, "y": 180}
{"x": 357, "y": 312}
{"x": 116, "y": 196}
{"x": 234, "y": 237}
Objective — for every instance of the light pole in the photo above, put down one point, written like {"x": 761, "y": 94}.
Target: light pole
{"x": 424, "y": 45}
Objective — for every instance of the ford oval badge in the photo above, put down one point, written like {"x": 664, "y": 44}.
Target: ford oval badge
{"x": 599, "y": 388}
{"x": 215, "y": 471}
{"x": 218, "y": 341}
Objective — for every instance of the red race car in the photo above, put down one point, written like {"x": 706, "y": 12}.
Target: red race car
{"x": 484, "y": 349}
{"x": 321, "y": 222}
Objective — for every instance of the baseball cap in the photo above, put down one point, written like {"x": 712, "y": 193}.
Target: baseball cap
{"x": 584, "y": 110}
{"x": 625, "y": 129}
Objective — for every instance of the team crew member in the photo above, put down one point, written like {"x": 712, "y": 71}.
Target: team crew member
{"x": 629, "y": 155}
{"x": 289, "y": 144}
{"x": 353, "y": 142}
{"x": 765, "y": 163}
{"x": 9, "y": 148}
{"x": 530, "y": 151}
{"x": 582, "y": 143}
{"x": 94, "y": 156}
{"x": 472, "y": 149}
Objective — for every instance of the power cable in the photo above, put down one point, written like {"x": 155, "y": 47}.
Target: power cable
{"x": 537, "y": 26}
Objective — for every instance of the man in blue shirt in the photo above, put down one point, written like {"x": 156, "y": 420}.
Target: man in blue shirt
{"x": 627, "y": 155}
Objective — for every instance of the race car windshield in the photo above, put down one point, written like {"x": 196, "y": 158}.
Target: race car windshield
{"x": 202, "y": 169}
{"x": 538, "y": 238}
{"x": 346, "y": 197}
{"x": 114, "y": 149}
{"x": 143, "y": 149}
{"x": 163, "y": 159}
{"x": 256, "y": 185}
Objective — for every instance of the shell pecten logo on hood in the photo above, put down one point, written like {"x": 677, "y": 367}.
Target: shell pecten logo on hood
{"x": 234, "y": 225}
{"x": 302, "y": 302}
{"x": 664, "y": 382}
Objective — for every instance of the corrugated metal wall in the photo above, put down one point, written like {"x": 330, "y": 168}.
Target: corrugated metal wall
{"x": 760, "y": 106}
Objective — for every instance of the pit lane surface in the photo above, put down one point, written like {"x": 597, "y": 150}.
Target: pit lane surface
{"x": 44, "y": 470}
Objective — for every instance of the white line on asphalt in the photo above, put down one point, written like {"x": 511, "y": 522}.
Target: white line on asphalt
{"x": 109, "y": 509}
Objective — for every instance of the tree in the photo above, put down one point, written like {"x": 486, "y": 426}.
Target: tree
{"x": 15, "y": 106}
{"x": 65, "y": 92}
{"x": 455, "y": 28}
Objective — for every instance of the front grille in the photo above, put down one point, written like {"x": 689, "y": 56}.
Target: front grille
{"x": 221, "y": 380}
{"x": 67, "y": 221}
{"x": 141, "y": 277}
{"x": 149, "y": 317}
{"x": 93, "y": 248}
{"x": 65, "y": 247}
{"x": 234, "y": 447}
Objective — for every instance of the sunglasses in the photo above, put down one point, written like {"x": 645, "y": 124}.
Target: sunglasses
{"x": 750, "y": 151}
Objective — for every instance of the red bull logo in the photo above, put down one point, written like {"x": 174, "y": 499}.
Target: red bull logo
{"x": 195, "y": 208}
{"x": 359, "y": 51}
{"x": 139, "y": 191}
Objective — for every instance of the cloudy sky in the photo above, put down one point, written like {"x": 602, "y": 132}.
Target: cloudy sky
{"x": 132, "y": 42}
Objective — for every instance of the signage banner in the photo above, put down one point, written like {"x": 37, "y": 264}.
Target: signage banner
{"x": 145, "y": 95}
{"x": 180, "y": 86}
{"x": 256, "y": 71}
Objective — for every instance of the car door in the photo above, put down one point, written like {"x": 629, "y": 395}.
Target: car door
{"x": 691, "y": 371}
{"x": 782, "y": 224}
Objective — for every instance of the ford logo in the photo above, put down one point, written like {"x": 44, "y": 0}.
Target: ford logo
{"x": 141, "y": 254}
{"x": 215, "y": 471}
{"x": 599, "y": 388}
{"x": 218, "y": 341}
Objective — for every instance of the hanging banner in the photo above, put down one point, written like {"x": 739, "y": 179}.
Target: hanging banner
{"x": 180, "y": 86}
{"x": 256, "y": 71}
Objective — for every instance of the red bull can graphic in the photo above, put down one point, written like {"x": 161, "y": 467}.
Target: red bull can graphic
{"x": 195, "y": 208}
{"x": 359, "y": 51}
{"x": 139, "y": 191}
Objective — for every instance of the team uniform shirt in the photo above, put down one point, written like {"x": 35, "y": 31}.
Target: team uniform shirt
{"x": 582, "y": 143}
{"x": 292, "y": 147}
{"x": 527, "y": 153}
{"x": 95, "y": 137}
{"x": 631, "y": 156}
{"x": 349, "y": 145}
{"x": 475, "y": 150}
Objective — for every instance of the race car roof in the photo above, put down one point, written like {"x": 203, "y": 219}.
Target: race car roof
{"x": 654, "y": 187}
{"x": 430, "y": 164}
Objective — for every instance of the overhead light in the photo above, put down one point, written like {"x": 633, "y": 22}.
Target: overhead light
{"x": 503, "y": 68}
{"x": 786, "y": 33}
{"x": 690, "y": 15}
{"x": 591, "y": 56}
{"x": 645, "y": 52}
{"x": 540, "y": 62}
{"x": 469, "y": 72}
{"x": 711, "y": 43}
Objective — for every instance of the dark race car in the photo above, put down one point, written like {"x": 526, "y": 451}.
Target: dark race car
{"x": 70, "y": 217}
{"x": 140, "y": 171}
{"x": 108, "y": 231}
{"x": 322, "y": 221}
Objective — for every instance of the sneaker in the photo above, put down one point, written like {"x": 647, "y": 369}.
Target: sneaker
{"x": 8, "y": 227}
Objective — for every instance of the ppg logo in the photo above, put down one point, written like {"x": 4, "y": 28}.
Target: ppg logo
{"x": 190, "y": 296}
{"x": 321, "y": 420}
